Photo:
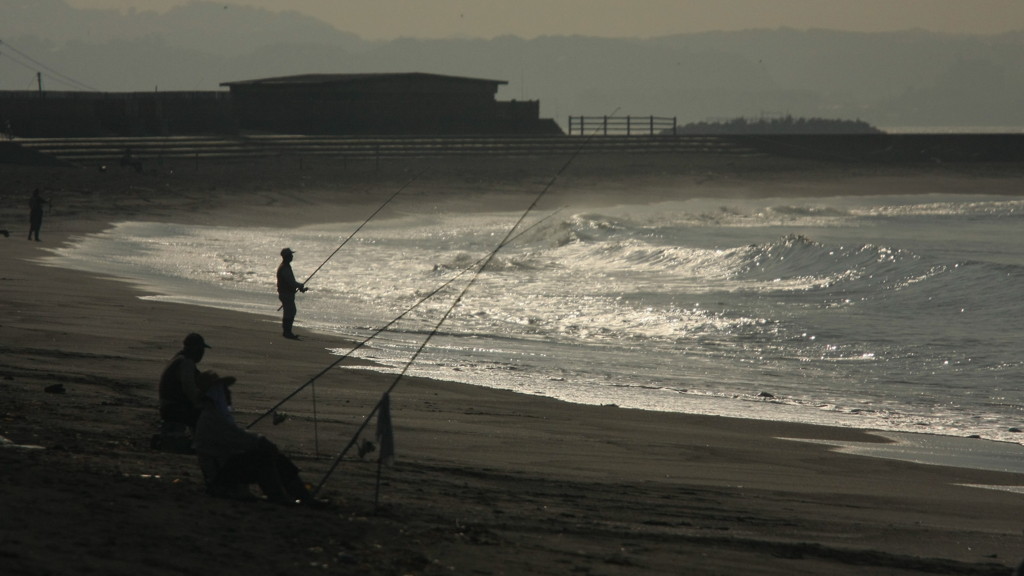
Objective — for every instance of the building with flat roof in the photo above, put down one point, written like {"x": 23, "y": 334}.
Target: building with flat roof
{"x": 413, "y": 104}
{"x": 389, "y": 103}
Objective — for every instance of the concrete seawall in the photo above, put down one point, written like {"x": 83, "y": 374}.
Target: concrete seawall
{"x": 873, "y": 148}
{"x": 929, "y": 148}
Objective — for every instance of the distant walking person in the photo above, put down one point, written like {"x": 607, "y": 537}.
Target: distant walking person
{"x": 35, "y": 214}
{"x": 287, "y": 285}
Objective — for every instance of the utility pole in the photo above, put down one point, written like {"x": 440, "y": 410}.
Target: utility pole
{"x": 39, "y": 80}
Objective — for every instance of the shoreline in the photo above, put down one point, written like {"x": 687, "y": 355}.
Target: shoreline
{"x": 486, "y": 480}
{"x": 923, "y": 447}
{"x": 955, "y": 450}
{"x": 919, "y": 454}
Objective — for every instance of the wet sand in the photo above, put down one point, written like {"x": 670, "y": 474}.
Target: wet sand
{"x": 486, "y": 481}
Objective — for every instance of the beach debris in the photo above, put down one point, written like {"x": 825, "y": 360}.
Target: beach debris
{"x": 365, "y": 447}
{"x": 345, "y": 558}
{"x": 55, "y": 389}
{"x": 279, "y": 417}
{"x": 8, "y": 443}
{"x": 766, "y": 395}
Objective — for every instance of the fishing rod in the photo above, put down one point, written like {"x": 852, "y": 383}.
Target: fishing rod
{"x": 485, "y": 260}
{"x": 360, "y": 227}
{"x": 455, "y": 303}
{"x": 377, "y": 332}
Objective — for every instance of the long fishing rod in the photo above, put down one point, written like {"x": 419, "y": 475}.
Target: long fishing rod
{"x": 451, "y": 308}
{"x": 365, "y": 222}
{"x": 360, "y": 227}
{"x": 377, "y": 332}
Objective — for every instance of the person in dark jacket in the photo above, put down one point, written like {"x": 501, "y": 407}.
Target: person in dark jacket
{"x": 35, "y": 214}
{"x": 182, "y": 387}
{"x": 287, "y": 285}
{"x": 232, "y": 458}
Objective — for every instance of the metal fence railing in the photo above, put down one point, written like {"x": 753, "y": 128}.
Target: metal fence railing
{"x": 622, "y": 125}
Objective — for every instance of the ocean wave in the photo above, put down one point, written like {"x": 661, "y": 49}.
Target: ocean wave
{"x": 987, "y": 208}
{"x": 796, "y": 255}
{"x": 791, "y": 257}
{"x": 860, "y": 309}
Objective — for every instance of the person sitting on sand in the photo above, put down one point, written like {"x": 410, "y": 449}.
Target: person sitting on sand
{"x": 231, "y": 457}
{"x": 182, "y": 387}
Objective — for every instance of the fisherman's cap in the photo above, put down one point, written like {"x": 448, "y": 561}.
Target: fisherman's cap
{"x": 287, "y": 251}
{"x": 194, "y": 340}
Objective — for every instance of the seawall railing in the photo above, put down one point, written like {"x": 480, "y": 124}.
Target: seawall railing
{"x": 622, "y": 126}
{"x": 103, "y": 151}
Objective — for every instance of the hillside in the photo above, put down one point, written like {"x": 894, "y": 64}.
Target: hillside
{"x": 891, "y": 80}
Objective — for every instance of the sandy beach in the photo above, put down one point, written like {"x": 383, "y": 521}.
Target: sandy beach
{"x": 486, "y": 481}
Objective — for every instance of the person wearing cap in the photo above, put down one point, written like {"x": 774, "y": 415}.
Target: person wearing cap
{"x": 287, "y": 285}
{"x": 181, "y": 390}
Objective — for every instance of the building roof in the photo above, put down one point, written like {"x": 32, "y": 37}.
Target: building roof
{"x": 321, "y": 79}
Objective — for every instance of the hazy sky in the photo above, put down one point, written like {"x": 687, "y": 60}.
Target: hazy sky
{"x": 387, "y": 19}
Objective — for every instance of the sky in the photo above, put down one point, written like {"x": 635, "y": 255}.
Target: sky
{"x": 389, "y": 19}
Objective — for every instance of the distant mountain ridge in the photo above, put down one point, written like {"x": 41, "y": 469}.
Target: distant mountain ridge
{"x": 911, "y": 78}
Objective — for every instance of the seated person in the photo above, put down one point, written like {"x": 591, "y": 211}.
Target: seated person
{"x": 181, "y": 389}
{"x": 231, "y": 457}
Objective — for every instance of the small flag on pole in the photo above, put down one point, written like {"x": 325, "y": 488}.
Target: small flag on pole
{"x": 385, "y": 434}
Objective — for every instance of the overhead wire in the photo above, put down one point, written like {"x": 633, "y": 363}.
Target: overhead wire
{"x": 57, "y": 76}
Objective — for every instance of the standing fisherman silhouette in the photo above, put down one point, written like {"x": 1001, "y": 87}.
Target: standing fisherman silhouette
{"x": 287, "y": 285}
{"x": 35, "y": 214}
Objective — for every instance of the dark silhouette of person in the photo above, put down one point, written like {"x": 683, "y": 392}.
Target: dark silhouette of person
{"x": 182, "y": 387}
{"x": 129, "y": 159}
{"x": 35, "y": 214}
{"x": 232, "y": 458}
{"x": 287, "y": 285}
